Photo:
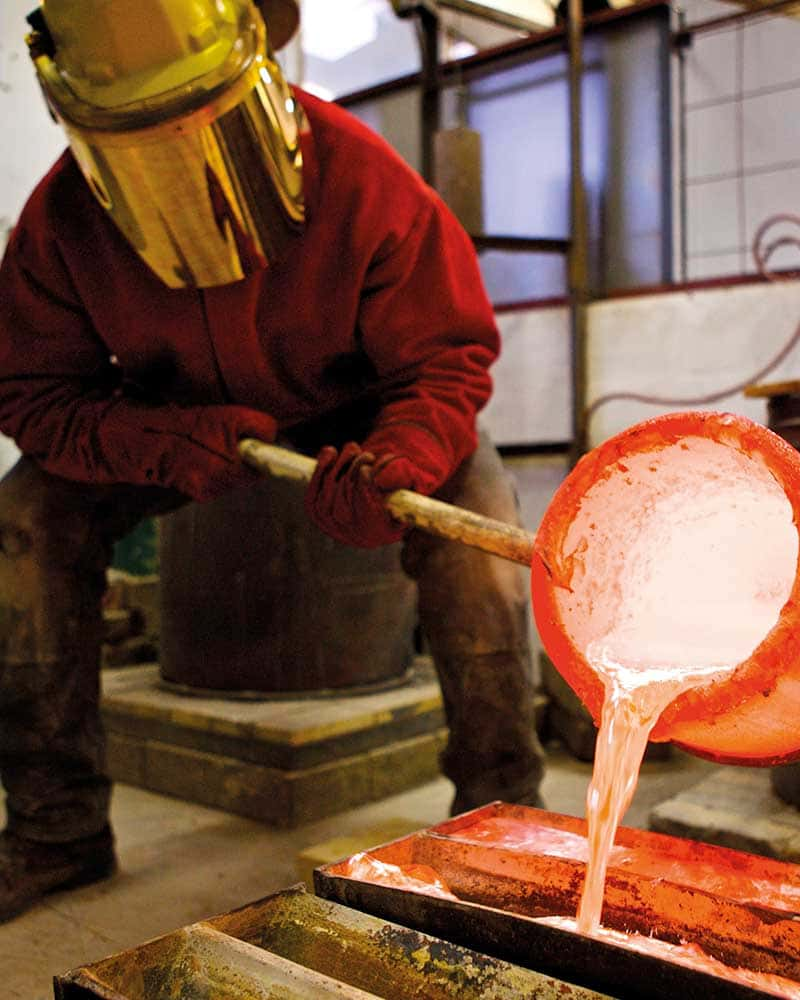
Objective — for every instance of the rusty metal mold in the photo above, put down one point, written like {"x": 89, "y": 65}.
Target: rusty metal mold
{"x": 294, "y": 946}
{"x": 738, "y": 908}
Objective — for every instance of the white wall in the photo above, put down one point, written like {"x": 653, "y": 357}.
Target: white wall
{"x": 689, "y": 345}
{"x": 531, "y": 399}
{"x": 684, "y": 344}
{"x": 31, "y": 140}
{"x": 742, "y": 122}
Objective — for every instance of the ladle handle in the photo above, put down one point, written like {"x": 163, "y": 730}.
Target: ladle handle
{"x": 433, "y": 516}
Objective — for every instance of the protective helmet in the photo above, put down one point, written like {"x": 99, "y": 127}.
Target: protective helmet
{"x": 182, "y": 124}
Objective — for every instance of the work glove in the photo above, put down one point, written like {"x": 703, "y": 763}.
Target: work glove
{"x": 347, "y": 494}
{"x": 196, "y": 448}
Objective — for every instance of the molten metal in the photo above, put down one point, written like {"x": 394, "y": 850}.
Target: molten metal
{"x": 736, "y": 912}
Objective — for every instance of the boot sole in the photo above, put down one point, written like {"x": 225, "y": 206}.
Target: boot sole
{"x": 87, "y": 876}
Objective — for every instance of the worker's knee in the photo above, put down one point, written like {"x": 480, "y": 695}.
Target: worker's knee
{"x": 45, "y": 528}
{"x": 484, "y": 486}
{"x": 43, "y": 519}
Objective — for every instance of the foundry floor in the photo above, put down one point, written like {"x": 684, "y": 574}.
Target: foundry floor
{"x": 181, "y": 862}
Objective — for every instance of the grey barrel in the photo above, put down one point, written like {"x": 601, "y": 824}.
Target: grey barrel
{"x": 256, "y": 601}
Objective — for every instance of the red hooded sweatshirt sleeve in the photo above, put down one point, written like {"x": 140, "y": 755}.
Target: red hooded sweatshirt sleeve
{"x": 107, "y": 375}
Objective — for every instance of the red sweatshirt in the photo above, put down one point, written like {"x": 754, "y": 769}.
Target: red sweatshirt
{"x": 381, "y": 294}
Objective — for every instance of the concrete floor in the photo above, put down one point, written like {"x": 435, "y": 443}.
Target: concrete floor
{"x": 180, "y": 863}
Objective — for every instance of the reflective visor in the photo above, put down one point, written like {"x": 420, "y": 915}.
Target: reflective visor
{"x": 206, "y": 182}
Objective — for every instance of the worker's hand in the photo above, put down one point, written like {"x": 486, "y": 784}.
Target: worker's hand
{"x": 204, "y": 461}
{"x": 346, "y": 496}
{"x": 410, "y": 457}
{"x": 395, "y": 472}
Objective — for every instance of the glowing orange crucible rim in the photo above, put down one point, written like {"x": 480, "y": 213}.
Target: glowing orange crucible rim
{"x": 710, "y": 720}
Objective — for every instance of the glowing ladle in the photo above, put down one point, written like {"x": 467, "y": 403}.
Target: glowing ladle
{"x": 674, "y": 546}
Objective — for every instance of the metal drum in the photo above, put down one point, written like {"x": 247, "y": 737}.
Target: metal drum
{"x": 257, "y": 602}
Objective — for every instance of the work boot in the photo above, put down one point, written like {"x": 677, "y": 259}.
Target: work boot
{"x": 30, "y": 870}
{"x": 474, "y": 611}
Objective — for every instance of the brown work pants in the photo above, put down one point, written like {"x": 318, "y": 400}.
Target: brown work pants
{"x": 56, "y": 542}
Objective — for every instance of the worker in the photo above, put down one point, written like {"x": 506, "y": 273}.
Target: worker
{"x": 218, "y": 256}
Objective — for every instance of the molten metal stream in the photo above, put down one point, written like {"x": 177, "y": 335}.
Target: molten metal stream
{"x": 634, "y": 701}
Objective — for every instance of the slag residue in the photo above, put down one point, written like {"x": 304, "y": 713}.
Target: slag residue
{"x": 415, "y": 877}
{"x": 689, "y": 955}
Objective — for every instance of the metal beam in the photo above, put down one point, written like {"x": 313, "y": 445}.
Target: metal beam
{"x": 579, "y": 235}
{"x": 748, "y": 10}
{"x": 495, "y": 13}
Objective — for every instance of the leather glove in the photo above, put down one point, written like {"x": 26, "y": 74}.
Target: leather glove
{"x": 346, "y": 496}
{"x": 196, "y": 448}
{"x": 411, "y": 457}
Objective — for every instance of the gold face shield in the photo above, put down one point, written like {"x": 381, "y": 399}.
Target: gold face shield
{"x": 182, "y": 124}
